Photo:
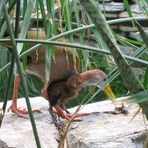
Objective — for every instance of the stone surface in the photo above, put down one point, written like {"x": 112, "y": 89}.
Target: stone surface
{"x": 98, "y": 130}
{"x": 17, "y": 132}
{"x": 125, "y": 14}
{"x": 112, "y": 7}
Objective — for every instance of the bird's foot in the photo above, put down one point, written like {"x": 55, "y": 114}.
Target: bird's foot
{"x": 76, "y": 116}
{"x": 120, "y": 108}
{"x": 21, "y": 112}
{"x": 69, "y": 117}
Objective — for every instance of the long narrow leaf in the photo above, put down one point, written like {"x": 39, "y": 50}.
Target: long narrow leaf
{"x": 145, "y": 83}
{"x": 94, "y": 49}
{"x": 15, "y": 53}
{"x": 125, "y": 70}
{"x": 48, "y": 32}
{"x": 1, "y": 4}
{"x": 26, "y": 22}
{"x": 145, "y": 39}
{"x": 139, "y": 97}
{"x": 143, "y": 34}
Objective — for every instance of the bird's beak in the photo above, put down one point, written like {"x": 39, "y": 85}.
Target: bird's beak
{"x": 108, "y": 91}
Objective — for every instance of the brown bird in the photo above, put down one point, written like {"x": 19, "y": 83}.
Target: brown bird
{"x": 62, "y": 90}
{"x": 65, "y": 80}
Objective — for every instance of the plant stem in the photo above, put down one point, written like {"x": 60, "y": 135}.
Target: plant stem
{"x": 15, "y": 53}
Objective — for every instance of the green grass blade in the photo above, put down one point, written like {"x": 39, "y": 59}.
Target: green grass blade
{"x": 45, "y": 22}
{"x": 15, "y": 53}
{"x": 2, "y": 21}
{"x": 48, "y": 32}
{"x": 17, "y": 14}
{"x": 11, "y": 7}
{"x": 83, "y": 47}
{"x": 3, "y": 76}
{"x": 139, "y": 97}
{"x": 127, "y": 6}
{"x": 1, "y": 3}
{"x": 24, "y": 7}
{"x": 8, "y": 89}
{"x": 85, "y": 59}
{"x": 26, "y": 22}
{"x": 125, "y": 70}
{"x": 143, "y": 5}
{"x": 67, "y": 33}
{"x": 145, "y": 83}
{"x": 143, "y": 34}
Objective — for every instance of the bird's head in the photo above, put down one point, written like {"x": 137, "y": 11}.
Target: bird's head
{"x": 99, "y": 78}
{"x": 93, "y": 77}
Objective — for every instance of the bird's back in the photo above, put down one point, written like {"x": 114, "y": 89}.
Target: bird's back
{"x": 62, "y": 64}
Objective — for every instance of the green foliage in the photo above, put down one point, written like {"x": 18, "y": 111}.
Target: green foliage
{"x": 145, "y": 82}
{"x": 3, "y": 75}
{"x": 71, "y": 18}
{"x": 142, "y": 96}
{"x": 143, "y": 5}
{"x": 139, "y": 97}
{"x": 76, "y": 25}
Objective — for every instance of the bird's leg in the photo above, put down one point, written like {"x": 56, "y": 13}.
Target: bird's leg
{"x": 54, "y": 119}
{"x": 62, "y": 113}
{"x": 44, "y": 92}
{"x": 13, "y": 107}
{"x": 64, "y": 108}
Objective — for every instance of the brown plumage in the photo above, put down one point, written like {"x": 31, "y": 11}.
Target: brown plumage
{"x": 61, "y": 65}
{"x": 62, "y": 90}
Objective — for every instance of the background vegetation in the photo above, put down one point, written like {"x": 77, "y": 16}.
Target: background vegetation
{"x": 27, "y": 15}
{"x": 67, "y": 18}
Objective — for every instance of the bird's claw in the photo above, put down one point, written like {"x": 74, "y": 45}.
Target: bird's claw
{"x": 121, "y": 107}
{"x": 76, "y": 119}
{"x": 21, "y": 112}
{"x": 68, "y": 117}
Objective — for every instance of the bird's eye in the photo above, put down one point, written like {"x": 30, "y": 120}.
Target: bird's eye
{"x": 104, "y": 79}
{"x": 78, "y": 83}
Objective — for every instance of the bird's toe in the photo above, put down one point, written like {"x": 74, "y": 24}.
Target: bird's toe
{"x": 21, "y": 112}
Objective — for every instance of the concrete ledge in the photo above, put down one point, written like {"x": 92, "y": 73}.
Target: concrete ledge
{"x": 98, "y": 130}
{"x": 17, "y": 132}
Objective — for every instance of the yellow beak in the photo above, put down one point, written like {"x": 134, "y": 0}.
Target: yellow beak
{"x": 108, "y": 91}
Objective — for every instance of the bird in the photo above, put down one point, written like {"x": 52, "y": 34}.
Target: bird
{"x": 61, "y": 90}
{"x": 65, "y": 78}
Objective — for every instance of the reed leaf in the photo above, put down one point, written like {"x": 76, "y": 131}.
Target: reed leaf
{"x": 140, "y": 97}
{"x": 143, "y": 34}
{"x": 15, "y": 54}
{"x": 26, "y": 22}
{"x": 122, "y": 64}
{"x": 127, "y": 6}
{"x": 143, "y": 6}
{"x": 93, "y": 49}
{"x": 10, "y": 8}
{"x": 85, "y": 59}
{"x": 1, "y": 3}
{"x": 145, "y": 83}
